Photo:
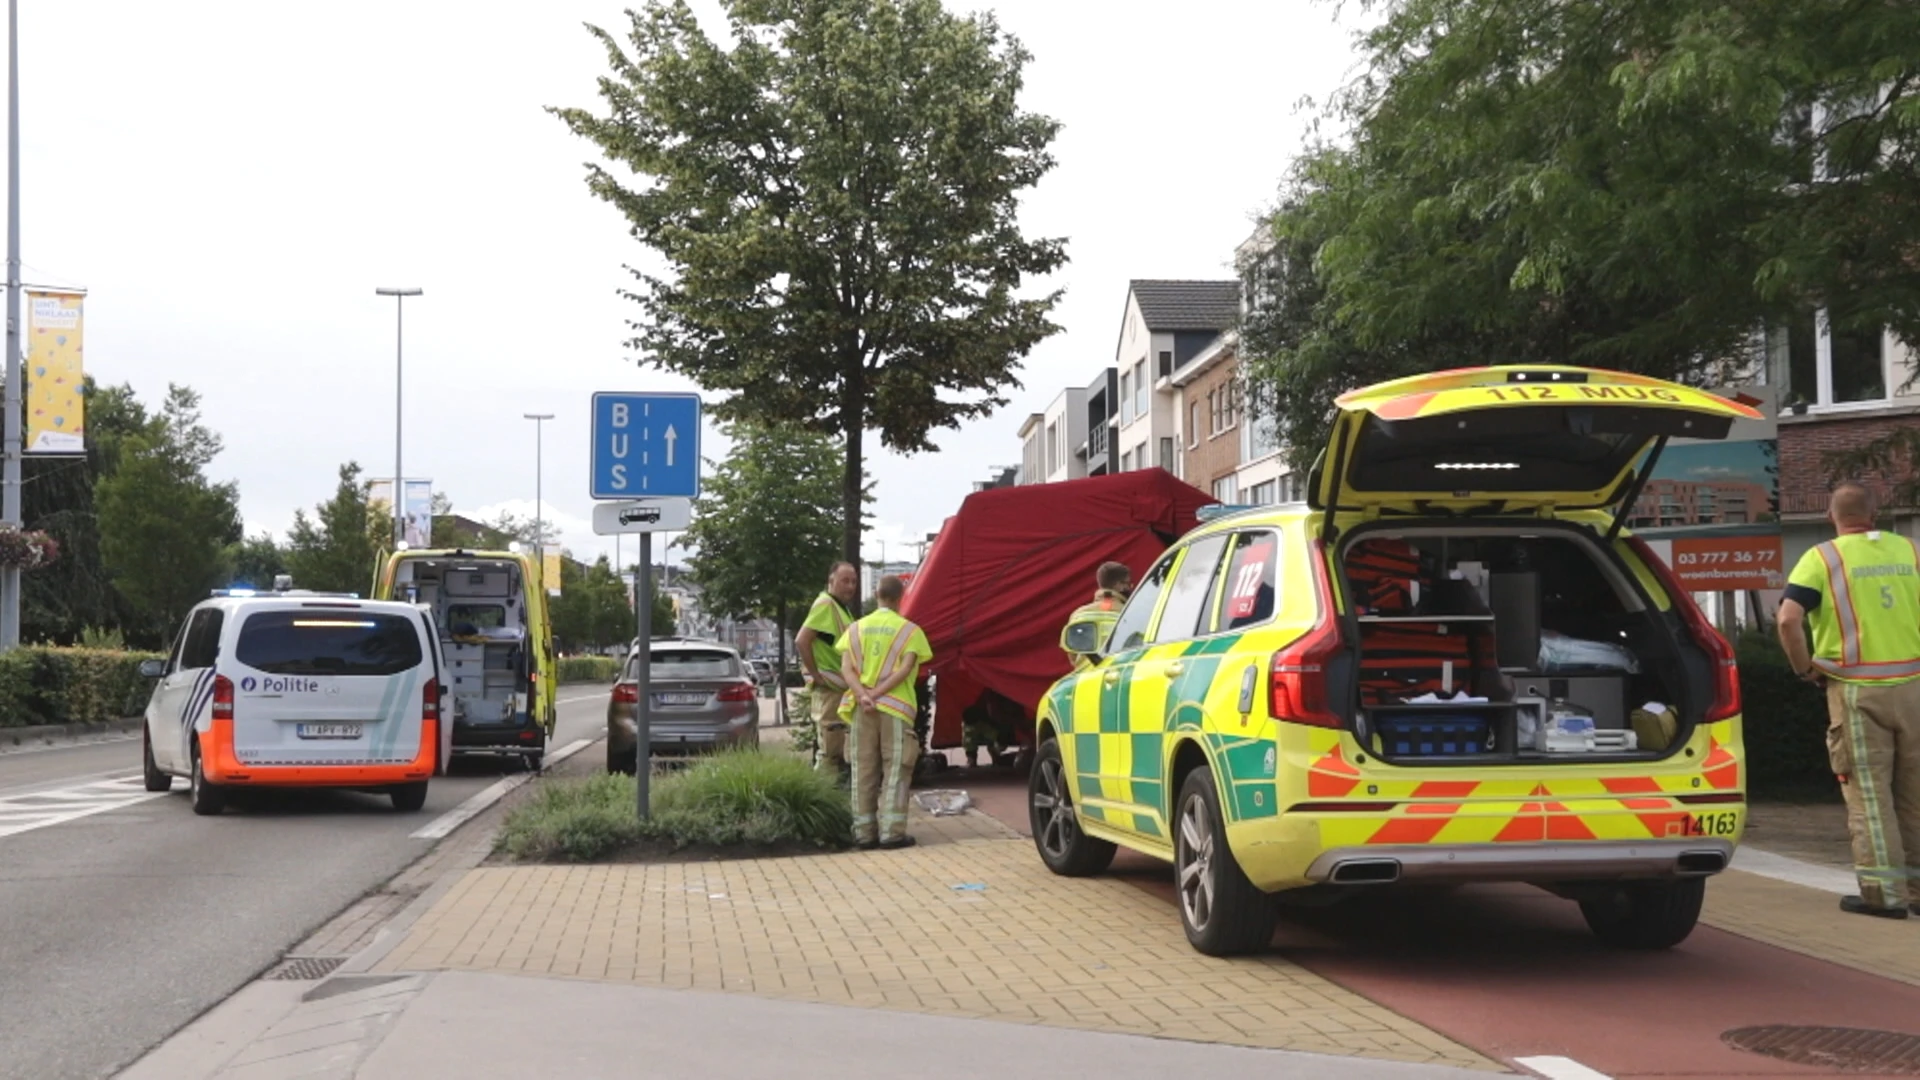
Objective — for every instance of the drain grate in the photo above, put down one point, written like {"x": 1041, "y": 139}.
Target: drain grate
{"x": 306, "y": 968}
{"x": 1884, "y": 1052}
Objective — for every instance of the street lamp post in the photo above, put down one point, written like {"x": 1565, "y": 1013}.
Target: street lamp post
{"x": 10, "y": 512}
{"x": 539, "y": 476}
{"x": 399, "y": 483}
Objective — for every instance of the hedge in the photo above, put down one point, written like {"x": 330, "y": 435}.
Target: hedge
{"x": 586, "y": 669}
{"x": 46, "y": 685}
{"x": 1785, "y": 725}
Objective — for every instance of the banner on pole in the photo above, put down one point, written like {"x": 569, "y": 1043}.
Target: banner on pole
{"x": 55, "y": 373}
{"x": 380, "y": 502}
{"x": 550, "y": 569}
{"x": 419, "y": 513}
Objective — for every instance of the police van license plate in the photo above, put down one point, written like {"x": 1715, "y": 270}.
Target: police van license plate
{"x": 328, "y": 731}
{"x": 679, "y": 699}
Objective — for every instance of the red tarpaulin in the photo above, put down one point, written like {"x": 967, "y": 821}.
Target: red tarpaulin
{"x": 1009, "y": 569}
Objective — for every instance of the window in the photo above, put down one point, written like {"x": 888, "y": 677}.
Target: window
{"x": 1229, "y": 405}
{"x": 200, "y": 646}
{"x": 1126, "y": 398}
{"x": 1193, "y": 424}
{"x": 1293, "y": 488}
{"x": 1167, "y": 461}
{"x": 328, "y": 642}
{"x": 1053, "y": 448}
{"x": 1166, "y": 363}
{"x": 1140, "y": 388}
{"x": 682, "y": 663}
{"x": 1265, "y": 493}
{"x": 1859, "y": 365}
{"x": 1251, "y": 573}
{"x": 1187, "y": 607}
{"x": 1126, "y": 461}
{"x": 1259, "y": 437}
{"x": 1227, "y": 489}
{"x": 1130, "y": 630}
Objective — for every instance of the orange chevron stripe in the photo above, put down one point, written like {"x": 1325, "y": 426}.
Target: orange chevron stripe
{"x": 1332, "y": 776}
{"x": 1445, "y": 789}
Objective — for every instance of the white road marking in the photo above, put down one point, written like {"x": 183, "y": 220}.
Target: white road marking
{"x": 1560, "y": 1068}
{"x": 1766, "y": 864}
{"x": 104, "y": 740}
{"x": 589, "y": 697}
{"x": 445, "y": 824}
{"x": 25, "y": 813}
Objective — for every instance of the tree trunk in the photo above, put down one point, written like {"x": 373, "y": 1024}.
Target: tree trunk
{"x": 853, "y": 421}
{"x": 780, "y": 665}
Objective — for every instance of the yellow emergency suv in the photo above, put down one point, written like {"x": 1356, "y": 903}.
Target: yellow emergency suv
{"x": 1452, "y": 664}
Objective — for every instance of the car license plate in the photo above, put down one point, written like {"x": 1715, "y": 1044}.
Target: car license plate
{"x": 328, "y": 731}
{"x": 679, "y": 699}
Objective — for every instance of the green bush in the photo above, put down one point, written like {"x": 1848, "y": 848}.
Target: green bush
{"x": 585, "y": 669}
{"x": 735, "y": 797}
{"x": 1785, "y": 725}
{"x": 47, "y": 685}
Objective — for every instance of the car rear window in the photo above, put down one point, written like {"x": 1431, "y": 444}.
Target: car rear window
{"x": 688, "y": 664}
{"x": 328, "y": 643}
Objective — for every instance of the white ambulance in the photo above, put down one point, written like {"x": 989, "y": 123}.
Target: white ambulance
{"x": 298, "y": 689}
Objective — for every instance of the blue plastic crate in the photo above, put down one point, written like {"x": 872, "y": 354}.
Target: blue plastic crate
{"x": 1433, "y": 735}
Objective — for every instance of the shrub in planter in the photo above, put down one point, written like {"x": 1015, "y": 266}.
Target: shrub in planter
{"x": 26, "y": 548}
{"x": 586, "y": 669}
{"x": 45, "y": 685}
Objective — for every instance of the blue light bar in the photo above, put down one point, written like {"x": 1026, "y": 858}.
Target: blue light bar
{"x": 1216, "y": 511}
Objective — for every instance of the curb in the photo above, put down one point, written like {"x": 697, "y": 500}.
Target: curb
{"x": 21, "y": 738}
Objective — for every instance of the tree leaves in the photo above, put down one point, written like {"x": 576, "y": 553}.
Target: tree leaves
{"x": 836, "y": 194}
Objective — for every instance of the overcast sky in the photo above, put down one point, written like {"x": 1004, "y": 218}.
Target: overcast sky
{"x": 230, "y": 181}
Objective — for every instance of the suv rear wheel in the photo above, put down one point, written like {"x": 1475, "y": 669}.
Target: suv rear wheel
{"x": 1646, "y": 914}
{"x": 1065, "y": 849}
{"x": 1222, "y": 912}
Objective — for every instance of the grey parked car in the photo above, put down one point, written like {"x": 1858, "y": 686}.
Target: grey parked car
{"x": 704, "y": 698}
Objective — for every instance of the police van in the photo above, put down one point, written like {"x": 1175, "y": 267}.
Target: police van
{"x": 289, "y": 688}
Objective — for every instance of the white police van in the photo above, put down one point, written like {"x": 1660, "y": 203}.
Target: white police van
{"x": 290, "y": 688}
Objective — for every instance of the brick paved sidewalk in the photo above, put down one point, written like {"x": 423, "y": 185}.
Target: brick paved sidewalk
{"x": 969, "y": 923}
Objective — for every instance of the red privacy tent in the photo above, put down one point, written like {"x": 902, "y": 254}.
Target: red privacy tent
{"x": 1008, "y": 570}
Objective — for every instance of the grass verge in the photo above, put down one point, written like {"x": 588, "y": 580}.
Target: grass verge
{"x": 753, "y": 799}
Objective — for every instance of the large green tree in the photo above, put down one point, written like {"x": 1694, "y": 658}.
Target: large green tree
{"x": 835, "y": 189}
{"x": 593, "y": 609}
{"x": 164, "y": 526}
{"x": 1639, "y": 184}
{"x": 766, "y": 525}
{"x": 58, "y": 496}
{"x": 337, "y": 549}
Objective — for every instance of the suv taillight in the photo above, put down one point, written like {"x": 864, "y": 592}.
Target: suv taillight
{"x": 1297, "y": 676}
{"x": 430, "y": 701}
{"x": 222, "y": 698}
{"x": 1726, "y": 671}
{"x": 626, "y": 694}
{"x": 742, "y": 692}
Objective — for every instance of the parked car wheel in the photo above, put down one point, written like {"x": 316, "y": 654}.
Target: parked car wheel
{"x": 208, "y": 798}
{"x": 1646, "y": 914}
{"x": 1063, "y": 847}
{"x": 1222, "y": 912}
{"x": 150, "y": 772}
{"x": 408, "y": 798}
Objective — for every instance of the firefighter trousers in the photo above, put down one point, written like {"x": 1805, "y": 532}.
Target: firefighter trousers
{"x": 1873, "y": 743}
{"x": 884, "y": 753}
{"x": 830, "y": 731}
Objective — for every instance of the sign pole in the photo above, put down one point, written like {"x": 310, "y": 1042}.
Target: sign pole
{"x": 10, "y": 498}
{"x": 642, "y": 723}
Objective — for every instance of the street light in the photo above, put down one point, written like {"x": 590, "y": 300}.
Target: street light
{"x": 399, "y": 484}
{"x": 10, "y": 472}
{"x": 539, "y": 428}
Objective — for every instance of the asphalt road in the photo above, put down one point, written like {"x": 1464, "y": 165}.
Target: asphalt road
{"x": 119, "y": 927}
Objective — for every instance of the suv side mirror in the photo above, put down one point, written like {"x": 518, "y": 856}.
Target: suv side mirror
{"x": 152, "y": 669}
{"x": 1086, "y": 636}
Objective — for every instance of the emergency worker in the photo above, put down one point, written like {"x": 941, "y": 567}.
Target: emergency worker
{"x": 1113, "y": 583}
{"x": 819, "y": 645}
{"x": 1861, "y": 594}
{"x": 883, "y": 654}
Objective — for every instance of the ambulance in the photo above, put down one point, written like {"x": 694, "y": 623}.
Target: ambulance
{"x": 290, "y": 688}
{"x": 496, "y": 635}
{"x": 1453, "y": 664}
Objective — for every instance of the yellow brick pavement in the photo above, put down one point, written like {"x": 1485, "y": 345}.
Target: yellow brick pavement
{"x": 889, "y": 930}
{"x": 1809, "y": 922}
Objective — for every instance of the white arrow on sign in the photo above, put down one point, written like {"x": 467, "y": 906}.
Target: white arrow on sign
{"x": 671, "y": 436}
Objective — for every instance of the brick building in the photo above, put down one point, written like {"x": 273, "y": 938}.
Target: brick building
{"x": 1209, "y": 397}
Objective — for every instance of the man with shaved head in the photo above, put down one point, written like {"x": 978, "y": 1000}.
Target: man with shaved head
{"x": 1860, "y": 593}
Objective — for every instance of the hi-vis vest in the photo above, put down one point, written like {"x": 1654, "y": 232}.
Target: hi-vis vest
{"x": 880, "y": 643}
{"x": 828, "y": 618}
{"x": 1867, "y": 627}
